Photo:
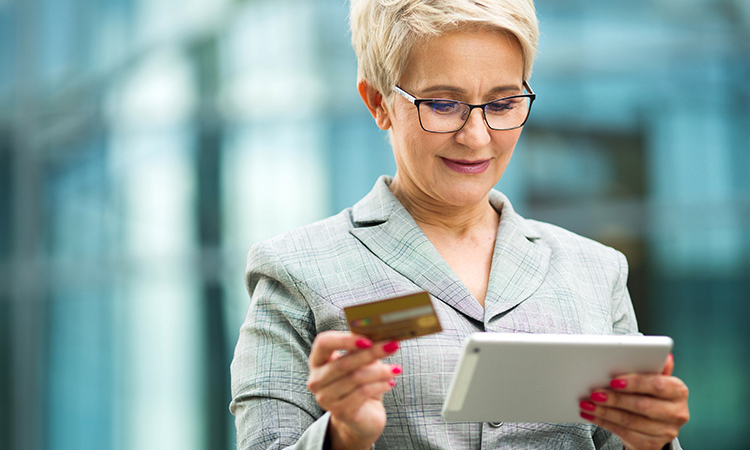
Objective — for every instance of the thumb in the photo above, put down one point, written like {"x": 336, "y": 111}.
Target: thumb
{"x": 668, "y": 366}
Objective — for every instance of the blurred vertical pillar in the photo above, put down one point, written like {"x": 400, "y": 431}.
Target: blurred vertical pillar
{"x": 696, "y": 229}
{"x": 28, "y": 309}
{"x": 208, "y": 160}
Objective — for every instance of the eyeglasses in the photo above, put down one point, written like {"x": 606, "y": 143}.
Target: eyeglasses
{"x": 438, "y": 115}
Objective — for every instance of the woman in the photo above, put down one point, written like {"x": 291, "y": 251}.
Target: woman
{"x": 301, "y": 380}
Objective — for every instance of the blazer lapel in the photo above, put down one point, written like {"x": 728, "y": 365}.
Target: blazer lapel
{"x": 519, "y": 263}
{"x": 384, "y": 226}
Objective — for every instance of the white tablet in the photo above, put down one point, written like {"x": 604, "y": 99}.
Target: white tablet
{"x": 510, "y": 377}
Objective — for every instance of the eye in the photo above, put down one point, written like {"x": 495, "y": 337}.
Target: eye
{"x": 503, "y": 105}
{"x": 442, "y": 107}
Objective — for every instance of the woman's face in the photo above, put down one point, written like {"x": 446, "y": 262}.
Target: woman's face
{"x": 455, "y": 169}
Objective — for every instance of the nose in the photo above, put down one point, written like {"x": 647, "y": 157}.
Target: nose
{"x": 475, "y": 134}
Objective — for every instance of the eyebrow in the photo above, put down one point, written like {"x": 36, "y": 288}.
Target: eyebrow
{"x": 457, "y": 90}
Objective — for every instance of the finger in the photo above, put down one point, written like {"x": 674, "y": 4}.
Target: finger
{"x": 668, "y": 366}
{"x": 660, "y": 386}
{"x": 626, "y": 419}
{"x": 631, "y": 438}
{"x": 373, "y": 373}
{"x": 328, "y": 342}
{"x": 347, "y": 364}
{"x": 332, "y": 395}
{"x": 646, "y": 406}
{"x": 340, "y": 367}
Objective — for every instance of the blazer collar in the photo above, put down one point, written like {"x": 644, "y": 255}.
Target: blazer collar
{"x": 519, "y": 261}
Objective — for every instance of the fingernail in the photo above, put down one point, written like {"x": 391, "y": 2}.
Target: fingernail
{"x": 618, "y": 384}
{"x": 391, "y": 347}
{"x": 588, "y": 406}
{"x": 600, "y": 397}
{"x": 392, "y": 382}
{"x": 363, "y": 343}
{"x": 588, "y": 417}
{"x": 396, "y": 369}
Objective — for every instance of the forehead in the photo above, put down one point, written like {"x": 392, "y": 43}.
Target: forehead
{"x": 470, "y": 60}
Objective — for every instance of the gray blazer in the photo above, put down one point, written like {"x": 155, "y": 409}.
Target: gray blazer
{"x": 543, "y": 280}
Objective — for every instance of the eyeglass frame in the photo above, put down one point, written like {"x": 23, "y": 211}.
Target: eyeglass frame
{"x": 417, "y": 101}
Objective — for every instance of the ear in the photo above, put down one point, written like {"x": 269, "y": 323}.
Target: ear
{"x": 375, "y": 103}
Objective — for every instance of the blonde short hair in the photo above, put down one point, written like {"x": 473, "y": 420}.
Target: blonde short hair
{"x": 385, "y": 31}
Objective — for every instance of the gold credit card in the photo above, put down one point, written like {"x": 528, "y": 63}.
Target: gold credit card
{"x": 394, "y": 318}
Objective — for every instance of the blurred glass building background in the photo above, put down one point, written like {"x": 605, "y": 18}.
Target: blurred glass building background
{"x": 146, "y": 144}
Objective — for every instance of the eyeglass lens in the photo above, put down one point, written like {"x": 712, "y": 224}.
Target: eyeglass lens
{"x": 449, "y": 116}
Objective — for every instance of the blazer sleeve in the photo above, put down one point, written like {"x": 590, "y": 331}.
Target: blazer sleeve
{"x": 623, "y": 314}
{"x": 272, "y": 406}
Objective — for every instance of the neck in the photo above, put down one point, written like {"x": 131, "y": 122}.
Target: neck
{"x": 457, "y": 221}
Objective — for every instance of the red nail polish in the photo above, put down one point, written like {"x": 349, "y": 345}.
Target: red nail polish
{"x": 392, "y": 382}
{"x": 600, "y": 397}
{"x": 391, "y": 347}
{"x": 396, "y": 369}
{"x": 588, "y": 417}
{"x": 618, "y": 384}
{"x": 363, "y": 343}
{"x": 588, "y": 406}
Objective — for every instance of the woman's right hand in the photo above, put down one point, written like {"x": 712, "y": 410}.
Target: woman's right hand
{"x": 350, "y": 385}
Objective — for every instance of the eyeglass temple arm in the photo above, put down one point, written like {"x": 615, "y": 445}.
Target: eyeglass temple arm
{"x": 528, "y": 88}
{"x": 404, "y": 94}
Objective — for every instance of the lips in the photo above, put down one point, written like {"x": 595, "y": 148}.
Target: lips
{"x": 468, "y": 167}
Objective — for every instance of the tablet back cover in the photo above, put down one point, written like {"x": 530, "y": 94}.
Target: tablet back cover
{"x": 543, "y": 377}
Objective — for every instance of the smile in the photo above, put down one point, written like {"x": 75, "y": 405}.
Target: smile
{"x": 468, "y": 167}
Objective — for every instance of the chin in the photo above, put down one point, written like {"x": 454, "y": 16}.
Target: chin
{"x": 468, "y": 194}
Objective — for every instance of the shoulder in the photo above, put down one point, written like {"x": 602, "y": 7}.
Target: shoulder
{"x": 304, "y": 245}
{"x": 579, "y": 257}
{"x": 327, "y": 259}
{"x": 560, "y": 238}
{"x": 564, "y": 245}
{"x": 330, "y": 236}
{"x": 329, "y": 243}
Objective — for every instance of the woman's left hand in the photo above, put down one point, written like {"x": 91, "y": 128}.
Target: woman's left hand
{"x": 645, "y": 411}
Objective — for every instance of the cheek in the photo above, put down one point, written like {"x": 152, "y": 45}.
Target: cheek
{"x": 507, "y": 140}
{"x": 505, "y": 145}
{"x": 406, "y": 133}
{"x": 419, "y": 145}
{"x": 404, "y": 117}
